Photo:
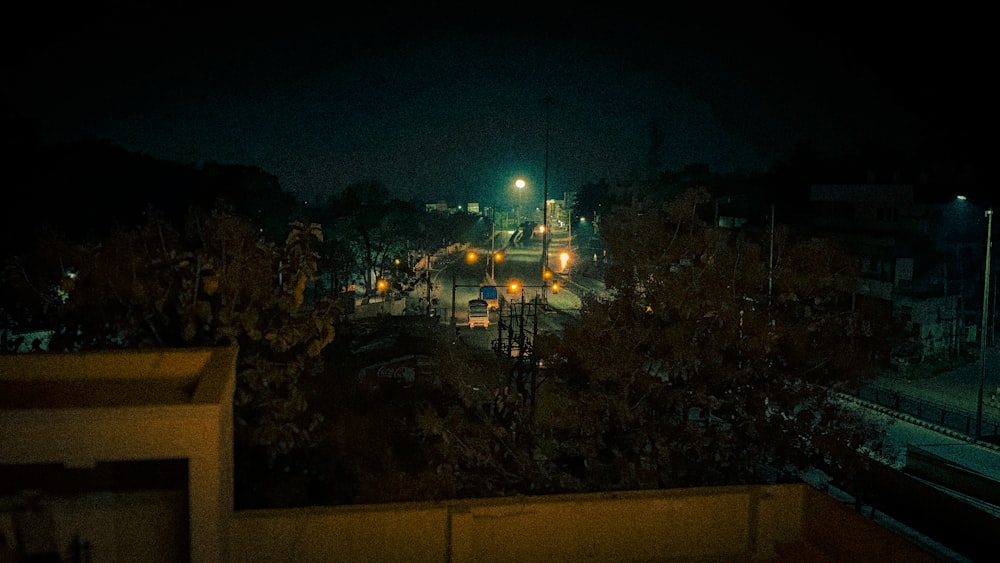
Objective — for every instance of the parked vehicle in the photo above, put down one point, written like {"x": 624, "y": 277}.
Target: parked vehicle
{"x": 479, "y": 313}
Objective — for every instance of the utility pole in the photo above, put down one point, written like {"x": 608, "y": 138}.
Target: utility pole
{"x": 493, "y": 237}
{"x": 982, "y": 337}
{"x": 427, "y": 269}
{"x": 770, "y": 261}
{"x": 533, "y": 368}
{"x": 548, "y": 101}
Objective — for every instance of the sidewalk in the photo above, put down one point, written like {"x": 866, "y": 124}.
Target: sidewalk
{"x": 573, "y": 288}
{"x": 955, "y": 386}
{"x": 960, "y": 456}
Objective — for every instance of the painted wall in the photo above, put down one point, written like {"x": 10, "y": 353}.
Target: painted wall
{"x": 724, "y": 523}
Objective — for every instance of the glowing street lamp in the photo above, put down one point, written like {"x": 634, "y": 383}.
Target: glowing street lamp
{"x": 497, "y": 257}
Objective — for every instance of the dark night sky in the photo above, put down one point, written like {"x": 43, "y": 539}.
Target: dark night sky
{"x": 451, "y": 107}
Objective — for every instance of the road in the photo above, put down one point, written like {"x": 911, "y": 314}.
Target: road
{"x": 456, "y": 280}
{"x": 956, "y": 388}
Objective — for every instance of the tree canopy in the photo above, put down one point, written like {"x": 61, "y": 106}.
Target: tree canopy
{"x": 719, "y": 357}
{"x": 218, "y": 281}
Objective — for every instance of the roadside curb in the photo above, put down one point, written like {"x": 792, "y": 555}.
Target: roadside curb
{"x": 918, "y": 422}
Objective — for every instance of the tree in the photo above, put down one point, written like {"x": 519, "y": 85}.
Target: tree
{"x": 217, "y": 282}
{"x": 471, "y": 428}
{"x": 591, "y": 200}
{"x": 384, "y": 234}
{"x": 370, "y": 224}
{"x": 713, "y": 364}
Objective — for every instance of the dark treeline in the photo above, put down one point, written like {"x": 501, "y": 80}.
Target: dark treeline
{"x": 708, "y": 337}
{"x": 87, "y": 188}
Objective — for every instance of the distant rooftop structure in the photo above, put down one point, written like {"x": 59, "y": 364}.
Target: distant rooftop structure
{"x": 141, "y": 440}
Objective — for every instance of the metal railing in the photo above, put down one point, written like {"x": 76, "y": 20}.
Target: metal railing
{"x": 941, "y": 414}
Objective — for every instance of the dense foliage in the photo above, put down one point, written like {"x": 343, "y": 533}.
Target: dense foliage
{"x": 377, "y": 237}
{"x": 718, "y": 357}
{"x": 714, "y": 359}
{"x": 218, "y": 282}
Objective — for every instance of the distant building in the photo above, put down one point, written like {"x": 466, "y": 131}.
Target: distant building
{"x": 919, "y": 256}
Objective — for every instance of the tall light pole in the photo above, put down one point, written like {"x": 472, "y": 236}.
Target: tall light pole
{"x": 548, "y": 101}
{"x": 982, "y": 337}
{"x": 493, "y": 238}
{"x": 519, "y": 184}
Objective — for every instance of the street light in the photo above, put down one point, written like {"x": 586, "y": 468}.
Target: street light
{"x": 548, "y": 101}
{"x": 493, "y": 238}
{"x": 982, "y": 341}
{"x": 982, "y": 336}
{"x": 497, "y": 257}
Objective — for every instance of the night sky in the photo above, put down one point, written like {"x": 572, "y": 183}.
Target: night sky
{"x": 448, "y": 107}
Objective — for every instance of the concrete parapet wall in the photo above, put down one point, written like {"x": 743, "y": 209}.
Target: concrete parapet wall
{"x": 606, "y": 528}
{"x": 393, "y": 307}
{"x": 383, "y": 533}
{"x": 837, "y": 528}
{"x": 66, "y": 411}
{"x": 723, "y": 523}
{"x": 77, "y": 410}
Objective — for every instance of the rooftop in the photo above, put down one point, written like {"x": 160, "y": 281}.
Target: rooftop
{"x": 108, "y": 379}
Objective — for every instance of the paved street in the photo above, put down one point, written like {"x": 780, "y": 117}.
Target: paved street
{"x": 957, "y": 387}
{"x": 954, "y": 389}
{"x": 453, "y": 276}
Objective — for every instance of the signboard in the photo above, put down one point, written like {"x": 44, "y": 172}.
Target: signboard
{"x": 488, "y": 293}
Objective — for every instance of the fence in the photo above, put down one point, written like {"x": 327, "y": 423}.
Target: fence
{"x": 945, "y": 416}
{"x": 379, "y": 308}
